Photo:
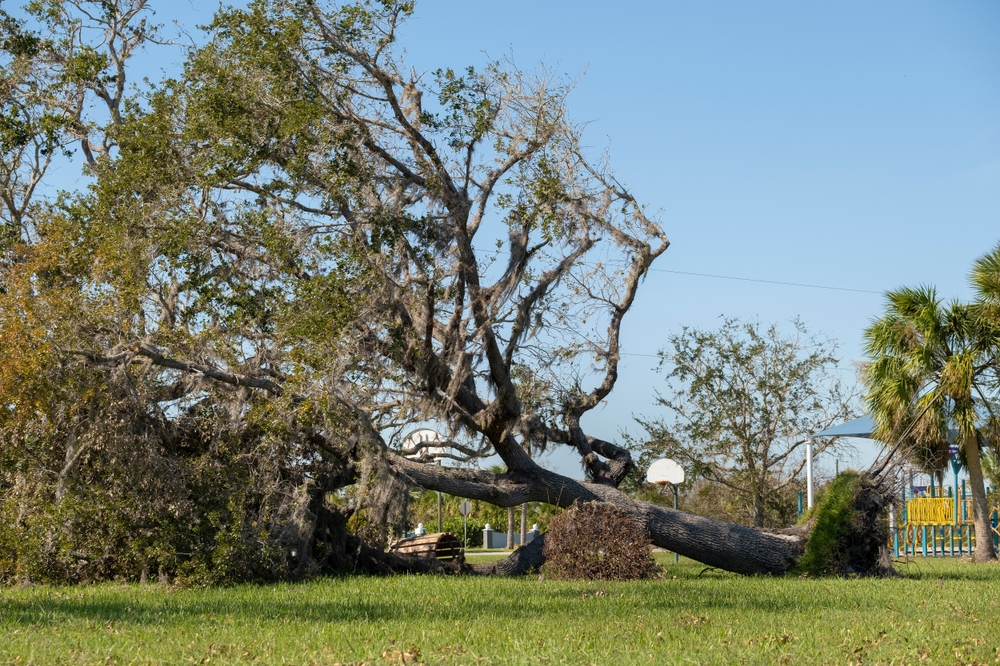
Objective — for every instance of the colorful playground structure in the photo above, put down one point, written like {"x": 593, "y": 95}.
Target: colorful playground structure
{"x": 936, "y": 526}
{"x": 931, "y": 526}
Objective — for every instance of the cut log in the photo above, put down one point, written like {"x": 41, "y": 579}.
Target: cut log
{"x": 440, "y": 545}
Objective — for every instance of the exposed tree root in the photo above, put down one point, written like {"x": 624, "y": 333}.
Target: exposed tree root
{"x": 850, "y": 530}
{"x": 522, "y": 561}
{"x": 375, "y": 562}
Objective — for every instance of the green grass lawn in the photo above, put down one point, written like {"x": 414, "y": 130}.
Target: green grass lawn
{"x": 938, "y": 611}
{"x": 485, "y": 556}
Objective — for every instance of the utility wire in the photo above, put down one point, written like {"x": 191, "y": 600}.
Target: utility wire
{"x": 746, "y": 279}
{"x": 786, "y": 284}
{"x": 743, "y": 279}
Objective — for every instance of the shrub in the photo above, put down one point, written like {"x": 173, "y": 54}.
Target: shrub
{"x": 597, "y": 541}
{"x": 454, "y": 525}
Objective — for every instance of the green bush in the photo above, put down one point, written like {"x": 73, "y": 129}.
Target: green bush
{"x": 475, "y": 525}
{"x": 209, "y": 527}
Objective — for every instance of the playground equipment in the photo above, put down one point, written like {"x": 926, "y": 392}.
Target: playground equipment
{"x": 930, "y": 526}
{"x": 936, "y": 526}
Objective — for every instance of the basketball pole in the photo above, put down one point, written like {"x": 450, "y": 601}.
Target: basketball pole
{"x": 677, "y": 558}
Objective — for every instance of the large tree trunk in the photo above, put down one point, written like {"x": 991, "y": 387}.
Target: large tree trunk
{"x": 715, "y": 543}
{"x": 980, "y": 507}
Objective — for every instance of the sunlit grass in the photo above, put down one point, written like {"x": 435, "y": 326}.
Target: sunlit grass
{"x": 939, "y": 611}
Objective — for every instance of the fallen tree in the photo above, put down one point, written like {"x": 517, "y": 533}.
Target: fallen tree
{"x": 288, "y": 257}
{"x": 852, "y": 534}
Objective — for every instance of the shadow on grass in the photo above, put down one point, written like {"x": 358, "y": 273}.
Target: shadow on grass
{"x": 450, "y": 599}
{"x": 50, "y": 611}
{"x": 947, "y": 569}
{"x": 45, "y": 612}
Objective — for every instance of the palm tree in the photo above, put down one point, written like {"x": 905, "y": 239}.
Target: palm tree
{"x": 985, "y": 280}
{"x": 930, "y": 373}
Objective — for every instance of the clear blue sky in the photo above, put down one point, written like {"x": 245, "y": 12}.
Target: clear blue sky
{"x": 846, "y": 144}
{"x": 849, "y": 144}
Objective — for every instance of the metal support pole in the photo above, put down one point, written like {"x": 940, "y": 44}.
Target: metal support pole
{"x": 809, "y": 474}
{"x": 902, "y": 509}
{"x": 904, "y": 503}
{"x": 677, "y": 558}
{"x": 956, "y": 496}
{"x": 800, "y": 504}
{"x": 892, "y": 530}
{"x": 993, "y": 521}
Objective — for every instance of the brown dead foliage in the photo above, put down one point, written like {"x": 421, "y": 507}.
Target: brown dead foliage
{"x": 597, "y": 541}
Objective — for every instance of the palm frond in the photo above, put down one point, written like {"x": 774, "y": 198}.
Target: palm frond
{"x": 985, "y": 276}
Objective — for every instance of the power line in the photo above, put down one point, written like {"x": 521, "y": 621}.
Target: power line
{"x": 786, "y": 284}
{"x": 746, "y": 279}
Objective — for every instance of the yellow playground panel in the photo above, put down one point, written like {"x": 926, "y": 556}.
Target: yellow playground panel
{"x": 931, "y": 511}
{"x": 929, "y": 528}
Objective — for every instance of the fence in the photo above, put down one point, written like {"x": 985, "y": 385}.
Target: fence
{"x": 493, "y": 539}
{"x": 937, "y": 527}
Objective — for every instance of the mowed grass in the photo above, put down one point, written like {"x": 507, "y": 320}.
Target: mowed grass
{"x": 937, "y": 611}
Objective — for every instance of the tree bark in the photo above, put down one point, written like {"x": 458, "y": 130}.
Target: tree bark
{"x": 727, "y": 546}
{"x": 980, "y": 508}
{"x": 404, "y": 518}
{"x": 523, "y": 560}
{"x": 524, "y": 524}
{"x": 758, "y": 511}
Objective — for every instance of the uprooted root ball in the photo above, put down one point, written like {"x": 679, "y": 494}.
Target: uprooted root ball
{"x": 850, "y": 531}
{"x": 597, "y": 541}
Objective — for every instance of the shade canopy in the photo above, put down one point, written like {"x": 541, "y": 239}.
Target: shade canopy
{"x": 863, "y": 426}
